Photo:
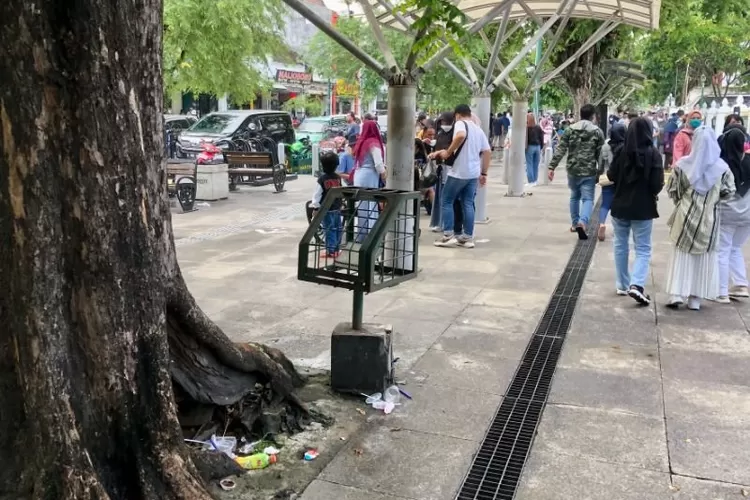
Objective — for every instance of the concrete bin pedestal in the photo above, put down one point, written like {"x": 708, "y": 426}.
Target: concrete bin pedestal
{"x": 213, "y": 182}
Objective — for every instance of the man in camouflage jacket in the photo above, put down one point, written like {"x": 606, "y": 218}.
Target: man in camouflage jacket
{"x": 582, "y": 142}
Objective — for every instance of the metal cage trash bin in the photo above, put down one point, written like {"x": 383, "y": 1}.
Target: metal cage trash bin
{"x": 362, "y": 240}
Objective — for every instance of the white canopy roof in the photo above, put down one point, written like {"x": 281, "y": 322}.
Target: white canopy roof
{"x": 639, "y": 13}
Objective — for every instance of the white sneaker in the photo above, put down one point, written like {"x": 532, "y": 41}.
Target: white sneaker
{"x": 694, "y": 304}
{"x": 739, "y": 292}
{"x": 622, "y": 293}
{"x": 722, "y": 299}
{"x": 436, "y": 229}
{"x": 675, "y": 302}
{"x": 466, "y": 243}
{"x": 446, "y": 241}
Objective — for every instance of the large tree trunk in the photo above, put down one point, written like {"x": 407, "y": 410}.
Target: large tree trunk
{"x": 579, "y": 79}
{"x": 90, "y": 282}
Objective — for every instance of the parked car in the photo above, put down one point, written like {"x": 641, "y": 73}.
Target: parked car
{"x": 319, "y": 128}
{"x": 224, "y": 126}
{"x": 173, "y": 127}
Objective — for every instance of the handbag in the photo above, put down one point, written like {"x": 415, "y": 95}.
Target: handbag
{"x": 428, "y": 175}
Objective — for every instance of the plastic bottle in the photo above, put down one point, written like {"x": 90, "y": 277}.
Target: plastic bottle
{"x": 257, "y": 461}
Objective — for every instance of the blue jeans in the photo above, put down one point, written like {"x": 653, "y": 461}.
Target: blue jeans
{"x": 608, "y": 194}
{"x": 581, "y": 198}
{"x": 464, "y": 190}
{"x": 533, "y": 156}
{"x": 642, "y": 241}
{"x": 332, "y": 227}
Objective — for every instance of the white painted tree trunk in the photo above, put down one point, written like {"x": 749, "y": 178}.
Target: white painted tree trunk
{"x": 481, "y": 106}
{"x": 517, "y": 163}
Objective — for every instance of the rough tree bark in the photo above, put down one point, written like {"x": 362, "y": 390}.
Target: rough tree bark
{"x": 92, "y": 299}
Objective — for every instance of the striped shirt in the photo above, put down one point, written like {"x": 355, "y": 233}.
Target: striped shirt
{"x": 694, "y": 224}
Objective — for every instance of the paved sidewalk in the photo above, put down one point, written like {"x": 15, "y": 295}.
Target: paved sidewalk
{"x": 623, "y": 386}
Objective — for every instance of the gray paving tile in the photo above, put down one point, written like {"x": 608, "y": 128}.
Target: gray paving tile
{"x": 409, "y": 333}
{"x": 715, "y": 405}
{"x": 606, "y": 436}
{"x": 527, "y": 300}
{"x": 700, "y": 450}
{"x": 309, "y": 351}
{"x": 470, "y": 339}
{"x": 427, "y": 309}
{"x": 712, "y": 340}
{"x": 406, "y": 463}
{"x": 688, "y": 488}
{"x": 446, "y": 411}
{"x": 462, "y": 371}
{"x": 629, "y": 361}
{"x": 324, "y": 490}
{"x": 309, "y": 322}
{"x": 616, "y": 320}
{"x": 719, "y": 368}
{"x": 552, "y": 476}
{"x": 505, "y": 319}
{"x": 712, "y": 316}
{"x": 602, "y": 389}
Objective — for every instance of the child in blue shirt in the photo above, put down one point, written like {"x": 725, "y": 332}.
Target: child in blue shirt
{"x": 330, "y": 179}
{"x": 346, "y": 161}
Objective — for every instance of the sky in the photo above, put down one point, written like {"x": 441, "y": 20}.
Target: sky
{"x": 339, "y": 6}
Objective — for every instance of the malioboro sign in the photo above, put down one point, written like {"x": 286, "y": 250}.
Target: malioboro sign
{"x": 550, "y": 17}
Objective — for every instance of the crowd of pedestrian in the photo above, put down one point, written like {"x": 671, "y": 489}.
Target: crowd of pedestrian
{"x": 710, "y": 222}
{"x": 709, "y": 186}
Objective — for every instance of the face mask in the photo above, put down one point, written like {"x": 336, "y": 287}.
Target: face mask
{"x": 432, "y": 142}
{"x": 446, "y": 128}
{"x": 695, "y": 123}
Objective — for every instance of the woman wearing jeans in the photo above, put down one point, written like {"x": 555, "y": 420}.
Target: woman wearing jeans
{"x": 534, "y": 143}
{"x": 610, "y": 152}
{"x": 638, "y": 174}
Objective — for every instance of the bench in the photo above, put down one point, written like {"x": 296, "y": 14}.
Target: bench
{"x": 254, "y": 168}
{"x": 182, "y": 182}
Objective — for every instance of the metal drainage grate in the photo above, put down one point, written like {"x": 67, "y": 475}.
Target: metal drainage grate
{"x": 498, "y": 464}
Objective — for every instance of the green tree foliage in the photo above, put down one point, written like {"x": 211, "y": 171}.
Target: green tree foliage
{"x": 696, "y": 40}
{"x": 312, "y": 106}
{"x": 218, "y": 46}
{"x": 578, "y": 78}
{"x": 439, "y": 89}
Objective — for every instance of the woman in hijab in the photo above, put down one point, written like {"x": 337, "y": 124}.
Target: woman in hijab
{"x": 696, "y": 185}
{"x": 610, "y": 152}
{"x": 735, "y": 218}
{"x": 638, "y": 175}
{"x": 369, "y": 171}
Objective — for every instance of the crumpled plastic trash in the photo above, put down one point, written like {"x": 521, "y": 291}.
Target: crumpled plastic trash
{"x": 271, "y": 451}
{"x": 387, "y": 404}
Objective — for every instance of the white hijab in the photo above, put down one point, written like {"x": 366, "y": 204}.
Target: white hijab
{"x": 703, "y": 166}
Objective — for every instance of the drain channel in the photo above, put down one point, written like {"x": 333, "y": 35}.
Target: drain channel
{"x": 498, "y": 464}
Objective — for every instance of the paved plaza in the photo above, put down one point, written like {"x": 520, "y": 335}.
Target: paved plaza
{"x": 646, "y": 403}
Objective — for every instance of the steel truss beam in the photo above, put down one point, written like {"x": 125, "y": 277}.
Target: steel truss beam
{"x": 603, "y": 31}
{"x": 329, "y": 30}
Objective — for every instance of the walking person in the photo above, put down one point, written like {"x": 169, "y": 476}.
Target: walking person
{"x": 638, "y": 175}
{"x": 582, "y": 143}
{"x": 534, "y": 144}
{"x": 735, "y": 218}
{"x": 684, "y": 138}
{"x": 498, "y": 135}
{"x": 670, "y": 131}
{"x": 697, "y": 183}
{"x": 369, "y": 172}
{"x": 472, "y": 154}
{"x": 610, "y": 152}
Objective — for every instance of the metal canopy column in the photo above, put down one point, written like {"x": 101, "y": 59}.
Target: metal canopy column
{"x": 517, "y": 161}
{"x": 481, "y": 105}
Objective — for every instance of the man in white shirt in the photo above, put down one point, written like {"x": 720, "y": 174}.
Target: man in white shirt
{"x": 471, "y": 153}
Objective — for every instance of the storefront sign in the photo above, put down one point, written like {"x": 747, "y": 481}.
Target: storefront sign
{"x": 345, "y": 89}
{"x": 285, "y": 76}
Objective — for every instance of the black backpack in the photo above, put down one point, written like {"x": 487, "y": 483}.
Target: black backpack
{"x": 444, "y": 140}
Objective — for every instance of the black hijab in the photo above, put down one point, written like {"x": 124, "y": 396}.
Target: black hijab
{"x": 732, "y": 144}
{"x": 617, "y": 137}
{"x": 638, "y": 151}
